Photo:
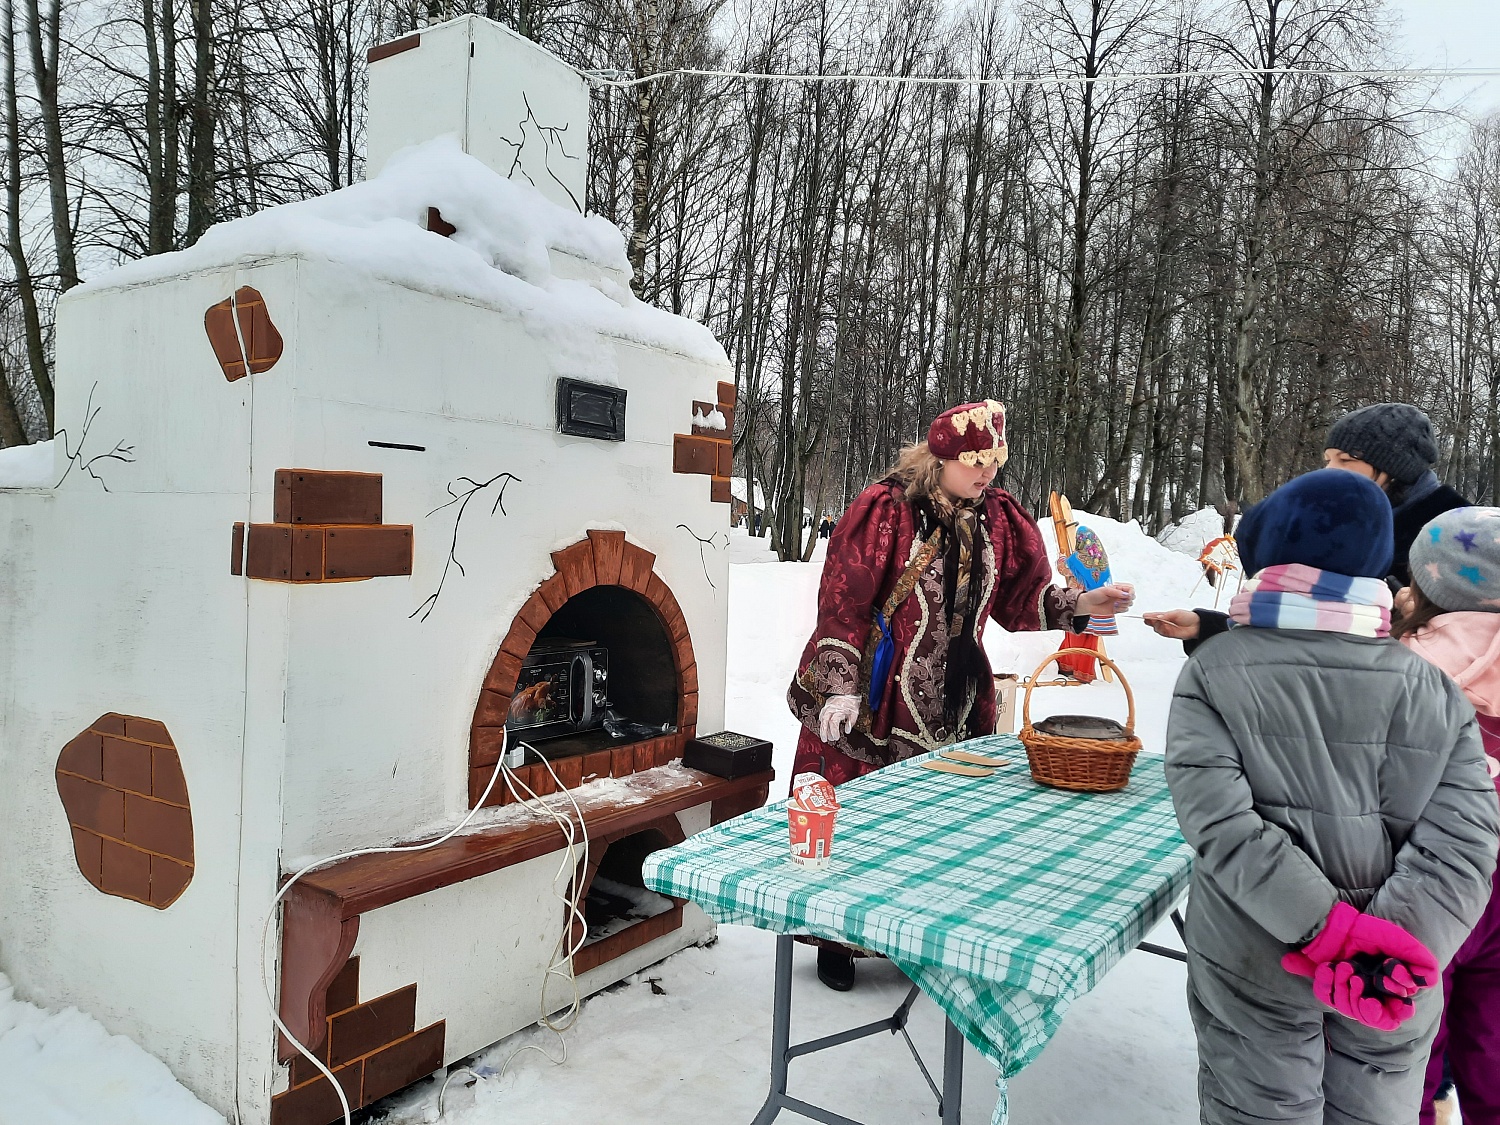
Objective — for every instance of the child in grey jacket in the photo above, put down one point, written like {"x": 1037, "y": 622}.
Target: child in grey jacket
{"x": 1333, "y": 787}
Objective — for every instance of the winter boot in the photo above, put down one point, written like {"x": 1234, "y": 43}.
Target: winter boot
{"x": 836, "y": 968}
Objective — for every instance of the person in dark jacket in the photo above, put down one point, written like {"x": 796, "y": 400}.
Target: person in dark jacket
{"x": 1333, "y": 788}
{"x": 1390, "y": 443}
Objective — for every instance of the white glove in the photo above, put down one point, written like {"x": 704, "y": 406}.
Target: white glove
{"x": 837, "y": 717}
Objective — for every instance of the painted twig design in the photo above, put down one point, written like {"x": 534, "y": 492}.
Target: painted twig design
{"x": 711, "y": 541}
{"x": 461, "y": 491}
{"x": 550, "y": 135}
{"x": 123, "y": 453}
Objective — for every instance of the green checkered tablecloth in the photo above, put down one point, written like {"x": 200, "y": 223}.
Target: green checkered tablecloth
{"x": 1003, "y": 899}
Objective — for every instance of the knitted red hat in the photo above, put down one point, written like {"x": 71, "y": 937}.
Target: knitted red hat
{"x": 973, "y": 433}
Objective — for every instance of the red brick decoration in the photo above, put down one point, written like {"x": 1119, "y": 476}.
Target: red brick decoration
{"x": 262, "y": 342}
{"x": 393, "y": 47}
{"x": 328, "y": 529}
{"x": 709, "y": 452}
{"x": 373, "y": 1049}
{"x": 122, "y": 787}
{"x": 604, "y": 558}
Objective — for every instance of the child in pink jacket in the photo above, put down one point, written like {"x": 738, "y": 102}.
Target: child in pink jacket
{"x": 1451, "y": 616}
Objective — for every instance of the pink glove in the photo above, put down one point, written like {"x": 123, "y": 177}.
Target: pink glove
{"x": 1348, "y": 932}
{"x": 1341, "y": 986}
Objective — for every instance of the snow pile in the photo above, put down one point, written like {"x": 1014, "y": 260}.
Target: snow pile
{"x": 63, "y": 1068}
{"x": 713, "y": 420}
{"x": 738, "y": 490}
{"x": 27, "y": 466}
{"x": 500, "y": 255}
{"x": 1191, "y": 534}
{"x": 1160, "y": 574}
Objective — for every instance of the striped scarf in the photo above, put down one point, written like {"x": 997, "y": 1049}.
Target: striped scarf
{"x": 1294, "y": 596}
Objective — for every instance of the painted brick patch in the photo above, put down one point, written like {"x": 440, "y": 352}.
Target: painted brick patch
{"x": 126, "y": 799}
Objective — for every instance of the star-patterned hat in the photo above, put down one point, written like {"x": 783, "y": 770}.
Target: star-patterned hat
{"x": 973, "y": 433}
{"x": 1456, "y": 560}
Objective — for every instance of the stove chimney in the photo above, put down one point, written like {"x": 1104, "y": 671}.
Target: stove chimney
{"x": 516, "y": 107}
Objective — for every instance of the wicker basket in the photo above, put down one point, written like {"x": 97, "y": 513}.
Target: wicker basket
{"x": 1091, "y": 765}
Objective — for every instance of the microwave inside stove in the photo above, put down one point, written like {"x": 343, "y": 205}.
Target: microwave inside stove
{"x": 563, "y": 689}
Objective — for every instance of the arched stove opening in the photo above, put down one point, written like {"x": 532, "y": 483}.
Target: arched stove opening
{"x": 608, "y": 641}
{"x": 606, "y": 619}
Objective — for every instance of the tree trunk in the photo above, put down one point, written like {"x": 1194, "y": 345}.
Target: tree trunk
{"x": 31, "y": 318}
{"x": 643, "y": 150}
{"x": 45, "y": 35}
{"x": 203, "y": 120}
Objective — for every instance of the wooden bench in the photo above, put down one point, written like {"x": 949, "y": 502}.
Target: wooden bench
{"x": 320, "y": 914}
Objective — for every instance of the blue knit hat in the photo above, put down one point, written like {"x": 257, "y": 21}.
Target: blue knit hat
{"x": 1455, "y": 559}
{"x": 1332, "y": 519}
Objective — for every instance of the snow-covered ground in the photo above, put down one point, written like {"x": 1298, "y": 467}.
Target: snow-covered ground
{"x": 63, "y": 1068}
{"x": 687, "y": 1042}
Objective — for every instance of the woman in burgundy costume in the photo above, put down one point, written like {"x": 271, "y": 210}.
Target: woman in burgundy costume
{"x": 944, "y": 551}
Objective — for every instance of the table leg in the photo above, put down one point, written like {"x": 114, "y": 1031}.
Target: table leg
{"x": 953, "y": 1074}
{"x": 781, "y": 1031}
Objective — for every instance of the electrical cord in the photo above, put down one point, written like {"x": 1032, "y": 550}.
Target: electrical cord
{"x": 617, "y": 79}
{"x": 562, "y": 960}
{"x": 567, "y": 946}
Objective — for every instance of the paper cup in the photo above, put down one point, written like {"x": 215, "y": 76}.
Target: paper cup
{"x": 812, "y": 836}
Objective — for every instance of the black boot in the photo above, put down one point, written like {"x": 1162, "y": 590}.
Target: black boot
{"x": 836, "y": 968}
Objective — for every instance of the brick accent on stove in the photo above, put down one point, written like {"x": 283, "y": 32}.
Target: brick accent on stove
{"x": 262, "y": 342}
{"x": 328, "y": 529}
{"x": 603, "y": 558}
{"x": 126, "y": 800}
{"x": 372, "y": 1047}
{"x": 707, "y": 451}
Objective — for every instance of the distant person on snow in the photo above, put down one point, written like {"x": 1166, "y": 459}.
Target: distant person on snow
{"x": 1451, "y": 617}
{"x": 1332, "y": 785}
{"x": 896, "y": 666}
{"x": 1392, "y": 444}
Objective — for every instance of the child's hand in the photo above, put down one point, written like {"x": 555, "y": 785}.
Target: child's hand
{"x": 1178, "y": 624}
{"x": 1343, "y": 987}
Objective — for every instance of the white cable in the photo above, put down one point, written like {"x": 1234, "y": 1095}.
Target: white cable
{"x": 571, "y": 854}
{"x": 611, "y": 78}
{"x": 562, "y": 959}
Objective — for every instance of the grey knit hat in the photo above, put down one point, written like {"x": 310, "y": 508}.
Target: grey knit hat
{"x": 1455, "y": 559}
{"x": 1395, "y": 437}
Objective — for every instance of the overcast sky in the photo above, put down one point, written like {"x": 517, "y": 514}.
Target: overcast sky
{"x": 1456, "y": 33}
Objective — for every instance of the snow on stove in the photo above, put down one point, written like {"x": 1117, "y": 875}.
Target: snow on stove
{"x": 27, "y": 466}
{"x": 637, "y": 904}
{"x": 500, "y": 256}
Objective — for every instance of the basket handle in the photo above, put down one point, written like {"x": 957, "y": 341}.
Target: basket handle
{"x": 1099, "y": 656}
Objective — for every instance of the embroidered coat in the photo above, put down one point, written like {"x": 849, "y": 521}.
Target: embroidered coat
{"x": 868, "y": 552}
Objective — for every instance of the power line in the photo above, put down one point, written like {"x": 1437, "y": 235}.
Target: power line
{"x": 618, "y": 79}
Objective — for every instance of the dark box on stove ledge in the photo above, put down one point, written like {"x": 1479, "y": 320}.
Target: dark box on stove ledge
{"x": 727, "y": 754}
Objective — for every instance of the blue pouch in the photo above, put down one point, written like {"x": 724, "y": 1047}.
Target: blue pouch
{"x": 880, "y": 666}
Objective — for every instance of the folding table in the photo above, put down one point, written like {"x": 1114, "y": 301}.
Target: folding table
{"x": 1001, "y": 899}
